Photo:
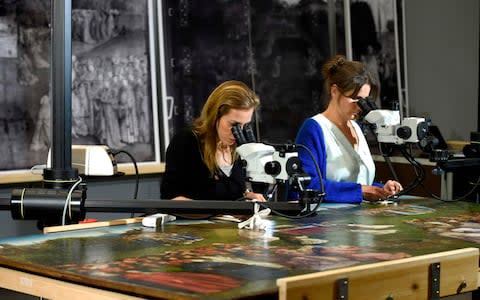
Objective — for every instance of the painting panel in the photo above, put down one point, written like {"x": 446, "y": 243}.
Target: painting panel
{"x": 207, "y": 43}
{"x": 113, "y": 93}
{"x": 215, "y": 260}
{"x": 291, "y": 42}
{"x": 374, "y": 27}
{"x": 275, "y": 46}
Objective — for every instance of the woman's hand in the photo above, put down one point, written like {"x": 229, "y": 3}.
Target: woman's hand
{"x": 374, "y": 193}
{"x": 393, "y": 187}
{"x": 181, "y": 198}
{"x": 254, "y": 196}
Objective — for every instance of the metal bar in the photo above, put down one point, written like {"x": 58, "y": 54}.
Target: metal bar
{"x": 405, "y": 64}
{"x": 166, "y": 90}
{"x": 61, "y": 84}
{"x": 174, "y": 206}
{"x": 196, "y": 206}
{"x": 348, "y": 30}
{"x": 332, "y": 27}
{"x": 4, "y": 203}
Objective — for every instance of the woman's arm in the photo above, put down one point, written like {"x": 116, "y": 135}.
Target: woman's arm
{"x": 184, "y": 171}
{"x": 311, "y": 136}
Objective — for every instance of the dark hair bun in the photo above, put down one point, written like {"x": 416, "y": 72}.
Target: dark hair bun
{"x": 338, "y": 61}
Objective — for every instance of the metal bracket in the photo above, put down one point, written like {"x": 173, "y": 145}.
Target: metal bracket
{"x": 434, "y": 277}
{"x": 342, "y": 289}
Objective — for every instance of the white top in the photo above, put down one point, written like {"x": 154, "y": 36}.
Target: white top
{"x": 227, "y": 170}
{"x": 344, "y": 162}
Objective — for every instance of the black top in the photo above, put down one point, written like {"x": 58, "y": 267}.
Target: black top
{"x": 187, "y": 175}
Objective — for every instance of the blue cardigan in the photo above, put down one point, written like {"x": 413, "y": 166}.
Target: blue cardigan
{"x": 311, "y": 136}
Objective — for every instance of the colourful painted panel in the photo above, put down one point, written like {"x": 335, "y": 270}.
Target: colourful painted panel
{"x": 216, "y": 260}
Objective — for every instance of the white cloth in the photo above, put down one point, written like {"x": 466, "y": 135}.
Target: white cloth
{"x": 344, "y": 162}
{"x": 256, "y": 222}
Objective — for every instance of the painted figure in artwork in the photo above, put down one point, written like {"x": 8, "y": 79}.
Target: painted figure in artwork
{"x": 41, "y": 135}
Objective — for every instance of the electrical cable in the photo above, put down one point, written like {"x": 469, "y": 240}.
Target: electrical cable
{"x": 137, "y": 176}
{"x": 418, "y": 169}
{"x": 384, "y": 155}
{"x": 463, "y": 197}
{"x": 388, "y": 161}
{"x": 270, "y": 193}
{"x": 420, "y": 177}
{"x": 68, "y": 200}
{"x": 189, "y": 217}
{"x": 321, "y": 195}
{"x": 317, "y": 168}
{"x": 309, "y": 214}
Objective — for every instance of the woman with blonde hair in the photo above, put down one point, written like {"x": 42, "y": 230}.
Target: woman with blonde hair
{"x": 201, "y": 162}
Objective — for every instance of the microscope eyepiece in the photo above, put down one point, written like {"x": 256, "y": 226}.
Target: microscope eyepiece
{"x": 366, "y": 105}
{"x": 238, "y": 135}
{"x": 243, "y": 135}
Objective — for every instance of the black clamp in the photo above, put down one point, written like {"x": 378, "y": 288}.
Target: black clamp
{"x": 342, "y": 289}
{"x": 434, "y": 278}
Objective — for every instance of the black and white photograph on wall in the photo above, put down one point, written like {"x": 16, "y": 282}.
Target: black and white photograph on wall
{"x": 208, "y": 42}
{"x": 373, "y": 42}
{"x": 291, "y": 42}
{"x": 112, "y": 86}
{"x": 274, "y": 46}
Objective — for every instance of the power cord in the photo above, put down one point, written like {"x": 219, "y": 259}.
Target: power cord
{"x": 420, "y": 177}
{"x": 321, "y": 195}
{"x": 463, "y": 197}
{"x": 417, "y": 168}
{"x": 137, "y": 175}
{"x": 386, "y": 157}
{"x": 317, "y": 168}
{"x": 68, "y": 200}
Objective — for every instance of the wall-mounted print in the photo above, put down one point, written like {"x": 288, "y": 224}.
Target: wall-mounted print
{"x": 113, "y": 92}
{"x": 291, "y": 42}
{"x": 275, "y": 46}
{"x": 374, "y": 28}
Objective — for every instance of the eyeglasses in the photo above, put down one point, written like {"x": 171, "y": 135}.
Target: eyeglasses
{"x": 361, "y": 99}
{"x": 369, "y": 99}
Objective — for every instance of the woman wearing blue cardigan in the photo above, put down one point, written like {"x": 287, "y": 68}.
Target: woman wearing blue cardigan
{"x": 336, "y": 141}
